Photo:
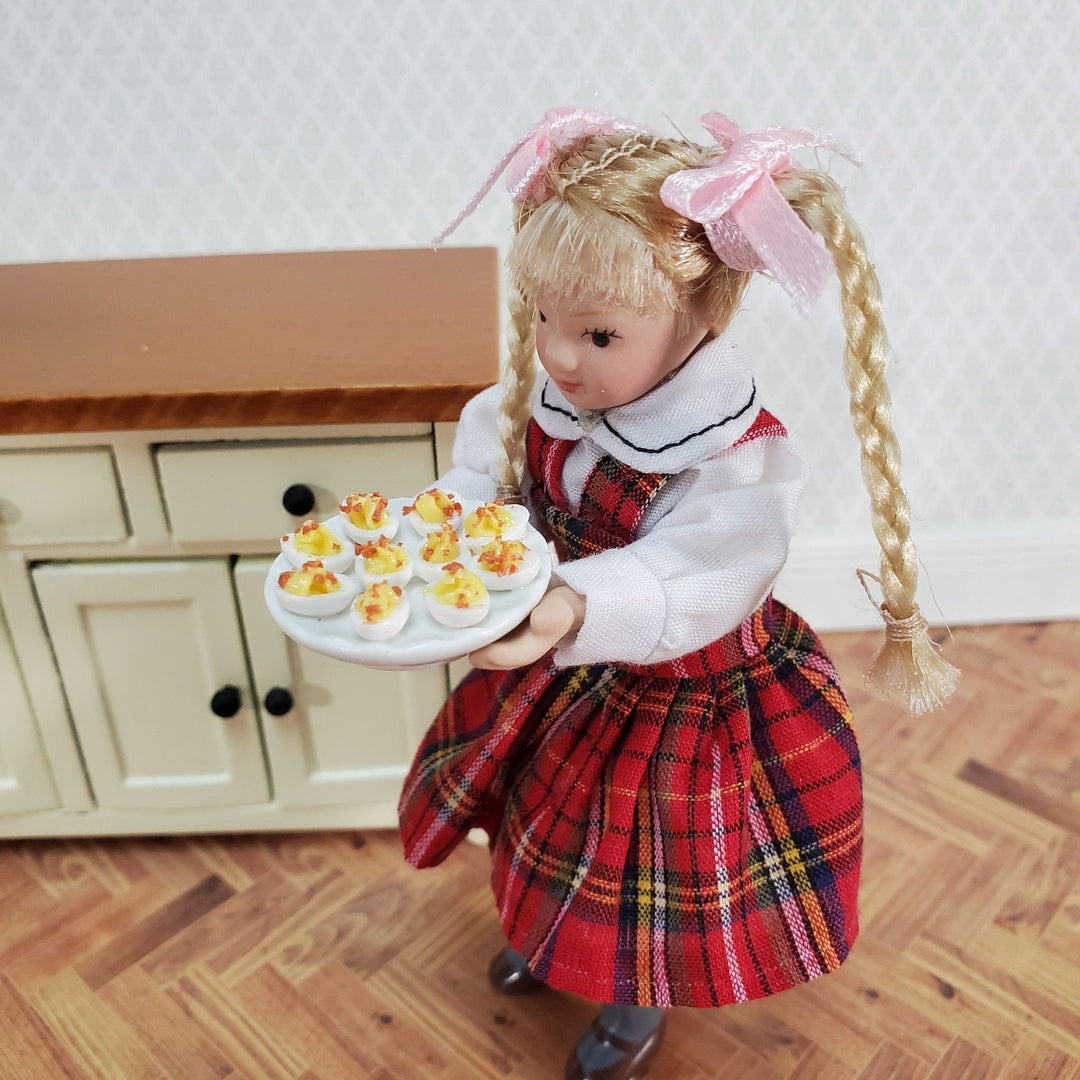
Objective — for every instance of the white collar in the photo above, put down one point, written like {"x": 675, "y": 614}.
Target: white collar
{"x": 704, "y": 407}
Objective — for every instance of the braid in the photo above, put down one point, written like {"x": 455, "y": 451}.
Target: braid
{"x": 865, "y": 358}
{"x": 625, "y": 149}
{"x": 517, "y": 381}
{"x": 907, "y": 670}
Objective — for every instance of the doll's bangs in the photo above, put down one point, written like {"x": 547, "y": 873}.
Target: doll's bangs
{"x": 596, "y": 256}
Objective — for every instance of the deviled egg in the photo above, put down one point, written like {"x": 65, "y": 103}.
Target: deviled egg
{"x": 433, "y": 508}
{"x": 495, "y": 521}
{"x": 311, "y": 589}
{"x": 383, "y": 560}
{"x": 315, "y": 541}
{"x": 441, "y": 547}
{"x": 366, "y": 516}
{"x": 506, "y": 564}
{"x": 380, "y": 611}
{"x": 458, "y": 598}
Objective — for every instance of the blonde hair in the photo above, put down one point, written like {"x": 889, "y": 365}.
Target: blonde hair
{"x": 597, "y": 228}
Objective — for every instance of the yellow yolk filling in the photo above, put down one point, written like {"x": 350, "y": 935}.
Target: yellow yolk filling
{"x": 365, "y": 511}
{"x": 377, "y": 601}
{"x": 491, "y": 519}
{"x": 310, "y": 580}
{"x": 383, "y": 557}
{"x": 502, "y": 557}
{"x": 458, "y": 587}
{"x": 435, "y": 505}
{"x": 313, "y": 539}
{"x": 441, "y": 546}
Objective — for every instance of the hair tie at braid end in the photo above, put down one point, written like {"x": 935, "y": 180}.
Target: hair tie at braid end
{"x": 509, "y": 493}
{"x": 908, "y": 670}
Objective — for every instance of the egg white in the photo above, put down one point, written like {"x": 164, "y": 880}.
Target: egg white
{"x": 455, "y": 617}
{"x": 365, "y": 536}
{"x": 384, "y": 629}
{"x": 397, "y": 577}
{"x": 527, "y": 570}
{"x": 430, "y": 571}
{"x": 337, "y": 563}
{"x": 433, "y": 571}
{"x": 514, "y": 531}
{"x": 321, "y": 603}
{"x": 423, "y": 527}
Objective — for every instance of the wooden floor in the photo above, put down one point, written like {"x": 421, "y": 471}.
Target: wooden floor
{"x": 324, "y": 957}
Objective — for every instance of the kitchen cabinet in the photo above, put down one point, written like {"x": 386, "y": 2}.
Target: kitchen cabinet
{"x": 171, "y": 691}
{"x": 162, "y": 423}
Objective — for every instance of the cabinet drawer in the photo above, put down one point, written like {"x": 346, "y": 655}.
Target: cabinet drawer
{"x": 234, "y": 491}
{"x": 59, "y": 496}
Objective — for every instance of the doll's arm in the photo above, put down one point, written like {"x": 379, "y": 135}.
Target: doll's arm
{"x": 700, "y": 570}
{"x": 475, "y": 447}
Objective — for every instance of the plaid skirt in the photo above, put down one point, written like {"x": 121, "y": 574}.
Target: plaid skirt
{"x": 683, "y": 834}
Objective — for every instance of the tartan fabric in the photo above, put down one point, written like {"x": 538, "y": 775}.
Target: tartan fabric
{"x": 613, "y": 500}
{"x": 658, "y": 837}
{"x": 765, "y": 425}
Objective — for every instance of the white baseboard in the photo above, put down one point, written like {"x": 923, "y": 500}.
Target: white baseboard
{"x": 964, "y": 579}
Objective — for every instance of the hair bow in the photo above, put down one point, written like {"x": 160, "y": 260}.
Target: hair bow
{"x": 525, "y": 162}
{"x": 750, "y": 225}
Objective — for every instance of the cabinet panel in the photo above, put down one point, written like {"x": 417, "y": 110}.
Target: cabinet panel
{"x": 352, "y": 731}
{"x": 59, "y": 496}
{"x": 25, "y": 781}
{"x": 142, "y": 647}
{"x": 233, "y": 492}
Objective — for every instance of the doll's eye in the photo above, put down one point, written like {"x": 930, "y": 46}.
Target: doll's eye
{"x": 600, "y": 338}
{"x": 543, "y": 317}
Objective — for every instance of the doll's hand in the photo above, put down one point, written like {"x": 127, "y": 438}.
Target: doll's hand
{"x": 558, "y": 613}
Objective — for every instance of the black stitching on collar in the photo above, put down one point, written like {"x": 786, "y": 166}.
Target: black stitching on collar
{"x": 554, "y": 408}
{"x": 659, "y": 449}
{"x": 692, "y": 435}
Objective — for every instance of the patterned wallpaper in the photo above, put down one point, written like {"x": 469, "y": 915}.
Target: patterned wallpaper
{"x": 163, "y": 127}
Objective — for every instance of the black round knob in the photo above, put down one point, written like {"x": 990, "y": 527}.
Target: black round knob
{"x": 298, "y": 499}
{"x": 226, "y": 702}
{"x": 278, "y": 701}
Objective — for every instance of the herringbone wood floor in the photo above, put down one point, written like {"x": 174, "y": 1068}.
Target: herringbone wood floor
{"x": 323, "y": 957}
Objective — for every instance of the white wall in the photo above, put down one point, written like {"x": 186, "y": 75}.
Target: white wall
{"x": 162, "y": 127}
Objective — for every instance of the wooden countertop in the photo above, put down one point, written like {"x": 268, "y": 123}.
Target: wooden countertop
{"x": 246, "y": 340}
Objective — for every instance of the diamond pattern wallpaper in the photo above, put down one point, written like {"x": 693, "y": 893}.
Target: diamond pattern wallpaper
{"x": 166, "y": 127}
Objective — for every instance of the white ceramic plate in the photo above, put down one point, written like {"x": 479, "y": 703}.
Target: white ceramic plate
{"x": 423, "y": 642}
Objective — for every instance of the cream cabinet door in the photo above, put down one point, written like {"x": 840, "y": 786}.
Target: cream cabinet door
{"x": 351, "y": 732}
{"x": 142, "y": 649}
{"x": 25, "y": 781}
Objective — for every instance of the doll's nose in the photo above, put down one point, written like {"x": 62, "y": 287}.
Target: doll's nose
{"x": 559, "y": 358}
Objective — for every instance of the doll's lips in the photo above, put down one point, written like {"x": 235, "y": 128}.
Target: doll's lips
{"x": 567, "y": 387}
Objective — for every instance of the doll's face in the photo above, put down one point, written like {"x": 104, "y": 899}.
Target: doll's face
{"x": 601, "y": 355}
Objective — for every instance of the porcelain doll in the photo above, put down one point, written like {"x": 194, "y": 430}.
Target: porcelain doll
{"x": 662, "y": 754}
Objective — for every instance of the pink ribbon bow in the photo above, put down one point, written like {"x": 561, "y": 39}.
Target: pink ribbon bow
{"x": 750, "y": 225}
{"x": 526, "y": 161}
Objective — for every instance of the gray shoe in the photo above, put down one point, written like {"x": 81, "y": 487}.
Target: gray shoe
{"x": 623, "y": 1059}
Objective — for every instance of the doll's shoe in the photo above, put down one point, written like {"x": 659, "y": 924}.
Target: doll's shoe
{"x": 509, "y": 974}
{"x": 626, "y": 1059}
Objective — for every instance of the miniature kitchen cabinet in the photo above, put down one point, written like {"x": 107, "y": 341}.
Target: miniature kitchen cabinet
{"x": 143, "y": 686}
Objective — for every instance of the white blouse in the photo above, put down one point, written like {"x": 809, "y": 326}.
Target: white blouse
{"x": 712, "y": 541}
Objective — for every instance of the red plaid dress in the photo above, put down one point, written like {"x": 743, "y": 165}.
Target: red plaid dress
{"x": 687, "y": 833}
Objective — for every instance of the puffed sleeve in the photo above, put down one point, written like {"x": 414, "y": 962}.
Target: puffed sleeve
{"x": 476, "y": 442}
{"x": 704, "y": 563}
